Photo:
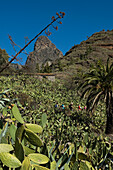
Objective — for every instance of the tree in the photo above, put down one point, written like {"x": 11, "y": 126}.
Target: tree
{"x": 42, "y": 68}
{"x": 60, "y": 65}
{"x": 47, "y": 68}
{"x": 37, "y": 68}
{"x": 97, "y": 86}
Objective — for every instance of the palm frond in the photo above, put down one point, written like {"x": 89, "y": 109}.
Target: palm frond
{"x": 85, "y": 92}
{"x": 107, "y": 65}
{"x": 95, "y": 101}
{"x": 92, "y": 98}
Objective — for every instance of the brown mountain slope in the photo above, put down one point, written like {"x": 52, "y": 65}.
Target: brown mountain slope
{"x": 80, "y": 57}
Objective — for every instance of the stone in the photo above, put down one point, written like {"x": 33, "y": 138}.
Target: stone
{"x": 45, "y": 52}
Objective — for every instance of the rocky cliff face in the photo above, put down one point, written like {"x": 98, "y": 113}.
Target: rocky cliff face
{"x": 44, "y": 52}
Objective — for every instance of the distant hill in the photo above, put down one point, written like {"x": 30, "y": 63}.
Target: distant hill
{"x": 4, "y": 57}
{"x": 81, "y": 57}
{"x": 78, "y": 59}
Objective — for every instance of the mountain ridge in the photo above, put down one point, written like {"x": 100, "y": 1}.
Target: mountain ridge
{"x": 99, "y": 46}
{"x": 80, "y": 58}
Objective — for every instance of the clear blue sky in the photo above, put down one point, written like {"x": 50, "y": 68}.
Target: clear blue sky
{"x": 26, "y": 18}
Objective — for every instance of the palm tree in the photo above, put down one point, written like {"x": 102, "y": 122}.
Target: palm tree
{"x": 97, "y": 86}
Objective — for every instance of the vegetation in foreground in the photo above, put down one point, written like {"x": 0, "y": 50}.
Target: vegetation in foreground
{"x": 71, "y": 140}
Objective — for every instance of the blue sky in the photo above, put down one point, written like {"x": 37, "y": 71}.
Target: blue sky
{"x": 26, "y": 18}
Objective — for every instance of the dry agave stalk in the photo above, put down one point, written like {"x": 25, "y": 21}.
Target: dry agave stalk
{"x": 54, "y": 19}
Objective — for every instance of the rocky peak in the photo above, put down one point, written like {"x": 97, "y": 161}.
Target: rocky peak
{"x": 44, "y": 52}
{"x": 43, "y": 42}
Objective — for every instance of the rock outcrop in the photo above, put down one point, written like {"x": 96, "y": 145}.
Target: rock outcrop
{"x": 45, "y": 52}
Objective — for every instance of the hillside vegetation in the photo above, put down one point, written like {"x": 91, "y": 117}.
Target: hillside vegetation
{"x": 69, "y": 139}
